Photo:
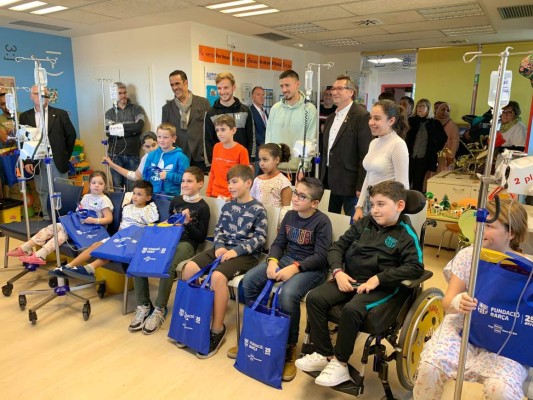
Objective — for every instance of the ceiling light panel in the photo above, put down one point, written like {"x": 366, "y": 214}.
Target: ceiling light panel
{"x": 459, "y": 11}
{"x": 471, "y": 30}
{"x": 260, "y": 12}
{"x": 4, "y": 3}
{"x": 28, "y": 6}
{"x": 384, "y": 60}
{"x": 229, "y": 4}
{"x": 245, "y": 8}
{"x": 49, "y": 10}
{"x": 295, "y": 29}
{"x": 339, "y": 42}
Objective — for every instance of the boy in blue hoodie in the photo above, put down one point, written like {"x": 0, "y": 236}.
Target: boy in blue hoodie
{"x": 165, "y": 166}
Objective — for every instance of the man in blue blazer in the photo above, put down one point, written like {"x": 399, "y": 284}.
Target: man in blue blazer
{"x": 61, "y": 135}
{"x": 260, "y": 117}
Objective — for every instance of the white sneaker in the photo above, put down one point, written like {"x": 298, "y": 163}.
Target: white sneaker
{"x": 138, "y": 320}
{"x": 311, "y": 362}
{"x": 154, "y": 321}
{"x": 334, "y": 374}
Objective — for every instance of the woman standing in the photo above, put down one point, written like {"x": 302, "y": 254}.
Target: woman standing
{"x": 387, "y": 156}
{"x": 452, "y": 132}
{"x": 425, "y": 138}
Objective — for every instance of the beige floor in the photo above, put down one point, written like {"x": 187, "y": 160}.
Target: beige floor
{"x": 63, "y": 356}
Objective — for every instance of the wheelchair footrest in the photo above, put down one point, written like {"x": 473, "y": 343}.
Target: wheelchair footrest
{"x": 354, "y": 387}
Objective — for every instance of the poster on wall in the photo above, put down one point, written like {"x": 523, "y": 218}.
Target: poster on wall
{"x": 246, "y": 93}
{"x": 211, "y": 94}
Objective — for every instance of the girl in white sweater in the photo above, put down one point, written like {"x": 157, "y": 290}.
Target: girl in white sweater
{"x": 387, "y": 156}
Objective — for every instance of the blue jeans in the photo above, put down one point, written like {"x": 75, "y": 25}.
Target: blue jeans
{"x": 291, "y": 295}
{"x": 131, "y": 163}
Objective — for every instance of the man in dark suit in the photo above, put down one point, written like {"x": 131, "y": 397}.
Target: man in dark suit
{"x": 61, "y": 135}
{"x": 260, "y": 116}
{"x": 345, "y": 144}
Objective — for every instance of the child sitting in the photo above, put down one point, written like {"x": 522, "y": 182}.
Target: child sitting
{"x": 197, "y": 213}
{"x": 297, "y": 257}
{"x": 378, "y": 252}
{"x": 226, "y": 154}
{"x": 502, "y": 377}
{"x": 96, "y": 200}
{"x": 272, "y": 188}
{"x": 239, "y": 237}
{"x": 165, "y": 166}
{"x": 140, "y": 213}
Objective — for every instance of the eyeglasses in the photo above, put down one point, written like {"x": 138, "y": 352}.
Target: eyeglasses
{"x": 507, "y": 111}
{"x": 301, "y": 196}
{"x": 339, "y": 88}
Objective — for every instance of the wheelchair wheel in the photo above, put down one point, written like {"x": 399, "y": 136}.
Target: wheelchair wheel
{"x": 423, "y": 318}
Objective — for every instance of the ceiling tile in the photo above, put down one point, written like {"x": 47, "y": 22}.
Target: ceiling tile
{"x": 439, "y": 24}
{"x": 306, "y": 15}
{"x": 401, "y": 17}
{"x": 82, "y": 17}
{"x": 343, "y": 33}
{"x": 400, "y": 37}
{"x": 285, "y": 5}
{"x": 373, "y": 7}
{"x": 77, "y": 3}
{"x": 135, "y": 8}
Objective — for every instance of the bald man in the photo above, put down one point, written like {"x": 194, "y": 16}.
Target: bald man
{"x": 61, "y": 135}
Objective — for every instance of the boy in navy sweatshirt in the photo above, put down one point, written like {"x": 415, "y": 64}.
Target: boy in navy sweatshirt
{"x": 297, "y": 257}
{"x": 240, "y": 234}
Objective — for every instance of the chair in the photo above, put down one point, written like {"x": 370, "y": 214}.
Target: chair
{"x": 70, "y": 197}
{"x": 464, "y": 228}
{"x": 61, "y": 286}
{"x": 233, "y": 285}
{"x": 405, "y": 323}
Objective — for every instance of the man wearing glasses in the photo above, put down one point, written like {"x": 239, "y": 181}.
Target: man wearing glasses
{"x": 345, "y": 144}
{"x": 124, "y": 124}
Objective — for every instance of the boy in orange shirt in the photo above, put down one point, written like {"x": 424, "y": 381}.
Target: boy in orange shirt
{"x": 226, "y": 154}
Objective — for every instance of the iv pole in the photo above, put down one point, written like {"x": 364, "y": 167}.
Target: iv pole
{"x": 104, "y": 141}
{"x": 482, "y": 213}
{"x": 11, "y": 103}
{"x": 308, "y": 91}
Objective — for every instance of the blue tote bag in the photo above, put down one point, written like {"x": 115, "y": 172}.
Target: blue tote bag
{"x": 503, "y": 321}
{"x": 121, "y": 246}
{"x": 83, "y": 235}
{"x": 263, "y": 341}
{"x": 155, "y": 250}
{"x": 191, "y": 315}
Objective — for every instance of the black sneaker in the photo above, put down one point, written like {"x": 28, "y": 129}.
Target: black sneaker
{"x": 215, "y": 340}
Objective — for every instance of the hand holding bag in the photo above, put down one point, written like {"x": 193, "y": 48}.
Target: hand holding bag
{"x": 156, "y": 247}
{"x": 503, "y": 321}
{"x": 83, "y": 235}
{"x": 263, "y": 341}
{"x": 193, "y": 306}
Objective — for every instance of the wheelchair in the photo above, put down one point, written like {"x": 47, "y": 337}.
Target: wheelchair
{"x": 406, "y": 322}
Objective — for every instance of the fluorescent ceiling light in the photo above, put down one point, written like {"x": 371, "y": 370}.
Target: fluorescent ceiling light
{"x": 229, "y": 4}
{"x": 339, "y": 42}
{"x": 7, "y": 2}
{"x": 27, "y": 6}
{"x": 249, "y": 14}
{"x": 471, "y": 30}
{"x": 245, "y": 8}
{"x": 458, "y": 11}
{"x": 295, "y": 29}
{"x": 384, "y": 60}
{"x": 49, "y": 10}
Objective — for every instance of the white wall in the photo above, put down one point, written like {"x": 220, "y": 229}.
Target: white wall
{"x": 142, "y": 59}
{"x": 344, "y": 63}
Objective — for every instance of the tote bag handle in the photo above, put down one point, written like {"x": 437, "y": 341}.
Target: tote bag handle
{"x": 209, "y": 267}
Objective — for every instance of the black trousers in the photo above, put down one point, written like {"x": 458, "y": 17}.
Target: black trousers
{"x": 417, "y": 173}
{"x": 321, "y": 299}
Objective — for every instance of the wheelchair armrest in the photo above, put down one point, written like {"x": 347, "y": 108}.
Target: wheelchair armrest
{"x": 412, "y": 284}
